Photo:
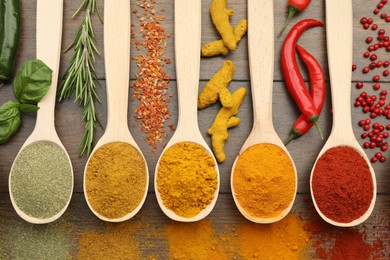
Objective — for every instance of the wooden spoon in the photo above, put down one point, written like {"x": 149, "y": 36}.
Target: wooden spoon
{"x": 187, "y": 53}
{"x": 339, "y": 44}
{"x": 261, "y": 64}
{"x": 49, "y": 34}
{"x": 117, "y": 65}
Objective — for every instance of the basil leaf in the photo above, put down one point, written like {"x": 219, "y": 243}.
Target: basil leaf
{"x": 28, "y": 108}
{"x": 8, "y": 110}
{"x": 9, "y": 120}
{"x": 32, "y": 81}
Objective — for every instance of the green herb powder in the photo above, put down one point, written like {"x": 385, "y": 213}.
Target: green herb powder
{"x": 41, "y": 180}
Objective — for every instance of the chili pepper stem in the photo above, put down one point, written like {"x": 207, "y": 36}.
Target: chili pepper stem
{"x": 318, "y": 128}
{"x": 291, "y": 12}
{"x": 293, "y": 135}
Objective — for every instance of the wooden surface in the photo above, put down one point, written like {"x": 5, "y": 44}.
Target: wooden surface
{"x": 304, "y": 151}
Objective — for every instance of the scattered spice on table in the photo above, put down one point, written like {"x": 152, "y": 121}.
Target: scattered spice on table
{"x": 22, "y": 240}
{"x": 196, "y": 240}
{"x": 187, "y": 179}
{"x": 116, "y": 241}
{"x": 342, "y": 184}
{"x": 264, "y": 180}
{"x": 115, "y": 179}
{"x": 41, "y": 180}
{"x": 334, "y": 243}
{"x": 152, "y": 80}
{"x": 285, "y": 239}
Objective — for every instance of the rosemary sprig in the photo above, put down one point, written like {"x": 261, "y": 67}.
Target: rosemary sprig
{"x": 80, "y": 77}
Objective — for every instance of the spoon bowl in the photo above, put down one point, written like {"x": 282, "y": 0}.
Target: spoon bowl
{"x": 339, "y": 29}
{"x": 261, "y": 64}
{"x": 187, "y": 52}
{"x": 117, "y": 65}
{"x": 49, "y": 34}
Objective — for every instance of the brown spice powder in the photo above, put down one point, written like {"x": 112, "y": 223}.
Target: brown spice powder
{"x": 115, "y": 179}
{"x": 115, "y": 242}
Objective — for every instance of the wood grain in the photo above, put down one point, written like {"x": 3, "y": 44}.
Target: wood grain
{"x": 303, "y": 151}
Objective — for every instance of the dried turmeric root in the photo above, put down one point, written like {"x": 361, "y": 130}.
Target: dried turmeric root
{"x": 218, "y": 47}
{"x": 220, "y": 16}
{"x": 224, "y": 120}
{"x": 217, "y": 87}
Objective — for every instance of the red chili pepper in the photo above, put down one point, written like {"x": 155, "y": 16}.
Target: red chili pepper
{"x": 294, "y": 6}
{"x": 317, "y": 91}
{"x": 292, "y": 75}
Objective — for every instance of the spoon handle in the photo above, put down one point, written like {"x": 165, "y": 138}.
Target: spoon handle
{"x": 49, "y": 34}
{"x": 339, "y": 45}
{"x": 261, "y": 60}
{"x": 187, "y": 56}
{"x": 117, "y": 62}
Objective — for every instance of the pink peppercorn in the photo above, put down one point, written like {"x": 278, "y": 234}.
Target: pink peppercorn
{"x": 373, "y": 57}
{"x": 376, "y": 78}
{"x": 377, "y": 86}
{"x": 369, "y": 39}
{"x": 366, "y": 54}
{"x": 386, "y": 73}
{"x": 386, "y": 64}
{"x": 359, "y": 84}
{"x": 374, "y": 27}
{"x": 366, "y": 70}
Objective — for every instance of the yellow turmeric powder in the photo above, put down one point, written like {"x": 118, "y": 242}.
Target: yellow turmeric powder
{"x": 220, "y": 16}
{"x": 186, "y": 179}
{"x": 285, "y": 239}
{"x": 196, "y": 241}
{"x": 217, "y": 87}
{"x": 225, "y": 119}
{"x": 264, "y": 180}
{"x": 115, "y": 179}
{"x": 218, "y": 47}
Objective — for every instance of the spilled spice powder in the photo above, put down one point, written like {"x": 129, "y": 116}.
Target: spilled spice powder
{"x": 334, "y": 243}
{"x": 194, "y": 241}
{"x": 285, "y": 239}
{"x": 22, "y": 240}
{"x": 116, "y": 241}
{"x": 152, "y": 81}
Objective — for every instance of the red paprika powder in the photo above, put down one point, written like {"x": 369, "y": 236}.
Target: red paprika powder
{"x": 342, "y": 184}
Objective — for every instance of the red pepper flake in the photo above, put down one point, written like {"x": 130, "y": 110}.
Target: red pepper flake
{"x": 152, "y": 81}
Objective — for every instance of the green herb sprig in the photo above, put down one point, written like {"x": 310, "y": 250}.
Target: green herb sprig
{"x": 30, "y": 85}
{"x": 80, "y": 77}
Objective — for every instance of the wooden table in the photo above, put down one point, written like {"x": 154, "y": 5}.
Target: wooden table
{"x": 304, "y": 151}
